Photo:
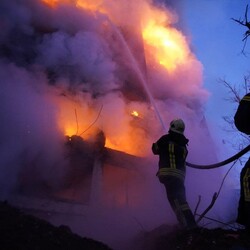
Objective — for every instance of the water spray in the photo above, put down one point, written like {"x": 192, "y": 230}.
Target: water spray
{"x": 139, "y": 72}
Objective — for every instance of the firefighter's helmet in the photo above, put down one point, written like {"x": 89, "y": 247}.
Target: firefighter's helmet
{"x": 177, "y": 126}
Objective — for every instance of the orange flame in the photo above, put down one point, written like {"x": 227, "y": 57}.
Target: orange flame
{"x": 163, "y": 43}
{"x": 74, "y": 117}
{"x": 51, "y": 3}
{"x": 126, "y": 143}
{"x": 93, "y": 5}
{"x": 166, "y": 45}
{"x": 135, "y": 113}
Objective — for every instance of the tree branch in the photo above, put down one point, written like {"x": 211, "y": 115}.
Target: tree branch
{"x": 208, "y": 208}
{"x": 246, "y": 24}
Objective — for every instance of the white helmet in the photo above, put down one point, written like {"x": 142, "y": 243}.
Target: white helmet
{"x": 177, "y": 126}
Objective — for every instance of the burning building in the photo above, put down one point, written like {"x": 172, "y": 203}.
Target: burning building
{"x": 87, "y": 86}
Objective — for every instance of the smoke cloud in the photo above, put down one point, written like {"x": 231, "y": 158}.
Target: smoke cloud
{"x": 59, "y": 61}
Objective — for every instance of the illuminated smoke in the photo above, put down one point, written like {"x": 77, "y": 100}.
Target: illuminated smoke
{"x": 66, "y": 63}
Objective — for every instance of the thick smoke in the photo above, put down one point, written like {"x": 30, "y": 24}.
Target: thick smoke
{"x": 59, "y": 62}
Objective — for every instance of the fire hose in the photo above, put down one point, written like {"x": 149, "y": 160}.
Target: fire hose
{"x": 222, "y": 163}
{"x": 216, "y": 165}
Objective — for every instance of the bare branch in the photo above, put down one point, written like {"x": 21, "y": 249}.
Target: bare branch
{"x": 233, "y": 90}
{"x": 246, "y": 24}
{"x": 92, "y": 122}
{"x": 239, "y": 21}
{"x": 77, "y": 125}
{"x": 208, "y": 208}
{"x": 247, "y": 83}
{"x": 197, "y": 205}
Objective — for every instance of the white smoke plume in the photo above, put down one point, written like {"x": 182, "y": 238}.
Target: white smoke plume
{"x": 55, "y": 60}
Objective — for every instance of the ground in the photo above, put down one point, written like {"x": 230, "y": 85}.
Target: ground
{"x": 19, "y": 231}
{"x": 163, "y": 238}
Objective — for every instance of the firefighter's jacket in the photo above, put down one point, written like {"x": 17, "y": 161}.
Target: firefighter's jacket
{"x": 172, "y": 151}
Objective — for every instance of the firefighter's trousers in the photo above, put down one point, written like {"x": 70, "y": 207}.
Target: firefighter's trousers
{"x": 244, "y": 202}
{"x": 176, "y": 195}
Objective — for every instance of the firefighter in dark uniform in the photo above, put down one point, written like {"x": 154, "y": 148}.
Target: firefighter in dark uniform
{"x": 172, "y": 151}
{"x": 243, "y": 217}
{"x": 242, "y": 123}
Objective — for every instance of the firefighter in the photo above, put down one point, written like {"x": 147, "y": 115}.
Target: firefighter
{"x": 172, "y": 151}
{"x": 243, "y": 217}
{"x": 242, "y": 123}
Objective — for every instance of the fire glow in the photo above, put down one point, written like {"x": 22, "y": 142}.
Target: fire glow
{"x": 164, "y": 46}
{"x": 51, "y": 3}
{"x": 135, "y": 113}
{"x": 92, "y": 5}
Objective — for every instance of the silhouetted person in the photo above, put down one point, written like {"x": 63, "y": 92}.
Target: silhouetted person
{"x": 242, "y": 123}
{"x": 243, "y": 217}
{"x": 172, "y": 151}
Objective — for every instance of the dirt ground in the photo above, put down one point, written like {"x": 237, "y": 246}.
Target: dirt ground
{"x": 163, "y": 238}
{"x": 20, "y": 231}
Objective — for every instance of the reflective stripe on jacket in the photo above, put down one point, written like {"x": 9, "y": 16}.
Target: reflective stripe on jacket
{"x": 172, "y": 155}
{"x": 246, "y": 185}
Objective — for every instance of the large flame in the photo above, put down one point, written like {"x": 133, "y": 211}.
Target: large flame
{"x": 165, "y": 45}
